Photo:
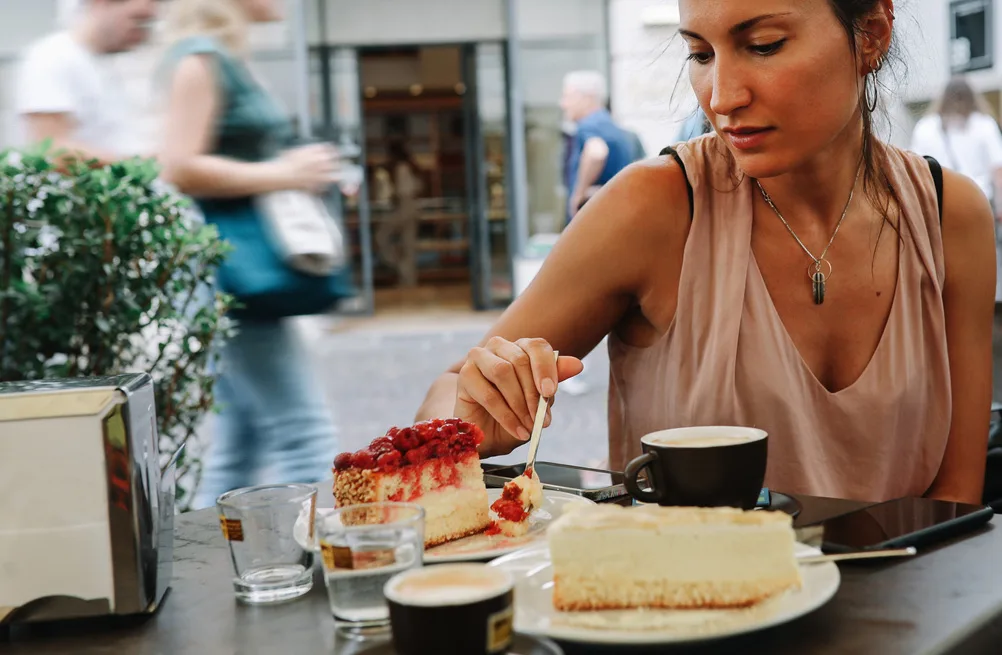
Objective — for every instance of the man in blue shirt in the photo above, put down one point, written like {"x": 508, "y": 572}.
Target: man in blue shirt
{"x": 600, "y": 148}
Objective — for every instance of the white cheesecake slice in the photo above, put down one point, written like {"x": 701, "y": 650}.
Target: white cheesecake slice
{"x": 614, "y": 557}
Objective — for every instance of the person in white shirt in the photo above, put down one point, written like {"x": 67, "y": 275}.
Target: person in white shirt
{"x": 67, "y": 91}
{"x": 963, "y": 137}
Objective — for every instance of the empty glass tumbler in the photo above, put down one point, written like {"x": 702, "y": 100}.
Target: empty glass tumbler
{"x": 269, "y": 564}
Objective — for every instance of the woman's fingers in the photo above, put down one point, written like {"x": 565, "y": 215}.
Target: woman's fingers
{"x": 568, "y": 367}
{"x": 501, "y": 374}
{"x": 522, "y": 365}
{"x": 544, "y": 367}
{"x": 507, "y": 379}
{"x": 475, "y": 388}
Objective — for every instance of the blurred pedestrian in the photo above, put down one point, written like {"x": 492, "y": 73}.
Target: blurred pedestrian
{"x": 600, "y": 148}
{"x": 396, "y": 236}
{"x": 961, "y": 133}
{"x": 222, "y": 145}
{"x": 67, "y": 91}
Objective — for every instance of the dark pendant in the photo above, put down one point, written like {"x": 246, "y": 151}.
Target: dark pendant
{"x": 818, "y": 280}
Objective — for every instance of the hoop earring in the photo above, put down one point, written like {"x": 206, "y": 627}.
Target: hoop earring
{"x": 870, "y": 95}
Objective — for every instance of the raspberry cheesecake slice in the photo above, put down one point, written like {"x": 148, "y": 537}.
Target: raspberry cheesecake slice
{"x": 433, "y": 464}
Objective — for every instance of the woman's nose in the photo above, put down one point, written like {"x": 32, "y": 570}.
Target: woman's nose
{"x": 730, "y": 91}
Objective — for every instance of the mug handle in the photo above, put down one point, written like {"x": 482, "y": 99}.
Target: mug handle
{"x": 633, "y": 469}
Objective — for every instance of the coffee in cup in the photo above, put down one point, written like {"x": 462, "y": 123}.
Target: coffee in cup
{"x": 701, "y": 466}
{"x": 451, "y": 609}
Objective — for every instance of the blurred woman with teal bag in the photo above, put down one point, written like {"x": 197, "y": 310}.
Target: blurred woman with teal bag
{"x": 225, "y": 140}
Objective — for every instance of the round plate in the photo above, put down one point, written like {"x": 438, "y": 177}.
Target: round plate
{"x": 522, "y": 645}
{"x": 478, "y": 547}
{"x": 535, "y": 615}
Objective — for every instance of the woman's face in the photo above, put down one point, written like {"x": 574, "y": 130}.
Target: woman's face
{"x": 264, "y": 11}
{"x": 776, "y": 78}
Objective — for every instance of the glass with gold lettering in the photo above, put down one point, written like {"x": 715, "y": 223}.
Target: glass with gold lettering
{"x": 270, "y": 566}
{"x": 363, "y": 546}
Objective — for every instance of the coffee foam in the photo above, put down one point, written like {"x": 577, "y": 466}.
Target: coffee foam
{"x": 448, "y": 584}
{"x": 701, "y": 442}
{"x": 704, "y": 437}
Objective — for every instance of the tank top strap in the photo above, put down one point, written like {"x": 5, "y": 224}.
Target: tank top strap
{"x": 716, "y": 257}
{"x": 912, "y": 180}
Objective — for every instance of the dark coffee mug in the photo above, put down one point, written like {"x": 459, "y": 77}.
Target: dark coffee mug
{"x": 451, "y": 609}
{"x": 701, "y": 467}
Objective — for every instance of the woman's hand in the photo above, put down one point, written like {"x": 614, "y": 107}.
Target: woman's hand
{"x": 500, "y": 385}
{"x": 311, "y": 168}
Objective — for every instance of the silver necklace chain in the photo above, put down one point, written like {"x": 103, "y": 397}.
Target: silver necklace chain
{"x": 818, "y": 261}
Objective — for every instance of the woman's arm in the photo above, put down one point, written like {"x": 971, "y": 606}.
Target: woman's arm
{"x": 624, "y": 248}
{"x": 969, "y": 299}
{"x": 189, "y": 133}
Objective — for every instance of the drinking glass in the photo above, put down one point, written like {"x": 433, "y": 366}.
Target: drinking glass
{"x": 362, "y": 547}
{"x": 269, "y": 563}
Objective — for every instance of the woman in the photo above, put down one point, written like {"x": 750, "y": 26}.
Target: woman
{"x": 222, "y": 136}
{"x": 697, "y": 266}
{"x": 960, "y": 134}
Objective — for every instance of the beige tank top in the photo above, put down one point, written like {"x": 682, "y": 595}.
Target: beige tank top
{"x": 727, "y": 358}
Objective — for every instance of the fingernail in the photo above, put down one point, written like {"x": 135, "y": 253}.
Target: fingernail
{"x": 523, "y": 434}
{"x": 548, "y": 387}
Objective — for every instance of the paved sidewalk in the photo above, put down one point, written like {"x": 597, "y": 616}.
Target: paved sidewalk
{"x": 376, "y": 374}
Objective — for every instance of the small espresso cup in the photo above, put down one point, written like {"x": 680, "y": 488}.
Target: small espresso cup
{"x": 451, "y": 609}
{"x": 701, "y": 467}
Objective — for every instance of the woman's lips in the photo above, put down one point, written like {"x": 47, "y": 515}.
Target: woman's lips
{"x": 749, "y": 139}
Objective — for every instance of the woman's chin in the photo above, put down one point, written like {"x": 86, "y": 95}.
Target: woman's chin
{"x": 763, "y": 165}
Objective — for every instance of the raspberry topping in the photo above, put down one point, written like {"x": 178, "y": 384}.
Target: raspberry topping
{"x": 363, "y": 459}
{"x": 436, "y": 439}
{"x": 381, "y": 445}
{"x": 418, "y": 455}
{"x": 342, "y": 462}
{"x": 509, "y": 509}
{"x": 389, "y": 461}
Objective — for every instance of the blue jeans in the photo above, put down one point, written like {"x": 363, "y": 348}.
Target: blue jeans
{"x": 274, "y": 425}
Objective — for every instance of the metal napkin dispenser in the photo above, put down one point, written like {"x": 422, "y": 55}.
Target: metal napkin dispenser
{"x": 86, "y": 512}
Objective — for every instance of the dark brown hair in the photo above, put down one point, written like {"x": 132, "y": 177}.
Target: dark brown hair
{"x": 876, "y": 183}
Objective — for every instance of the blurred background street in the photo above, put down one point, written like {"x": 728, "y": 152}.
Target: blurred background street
{"x": 459, "y": 123}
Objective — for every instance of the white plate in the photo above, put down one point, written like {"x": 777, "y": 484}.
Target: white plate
{"x": 480, "y": 546}
{"x": 535, "y": 615}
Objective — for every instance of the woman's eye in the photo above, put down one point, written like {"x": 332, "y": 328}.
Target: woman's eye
{"x": 767, "y": 49}
{"x": 699, "y": 57}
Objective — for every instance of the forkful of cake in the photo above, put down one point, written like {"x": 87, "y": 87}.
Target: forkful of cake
{"x": 523, "y": 494}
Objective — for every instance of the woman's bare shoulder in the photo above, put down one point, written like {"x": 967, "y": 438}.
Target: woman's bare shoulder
{"x": 650, "y": 195}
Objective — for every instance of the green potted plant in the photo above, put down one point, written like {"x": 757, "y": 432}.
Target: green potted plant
{"x": 105, "y": 270}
